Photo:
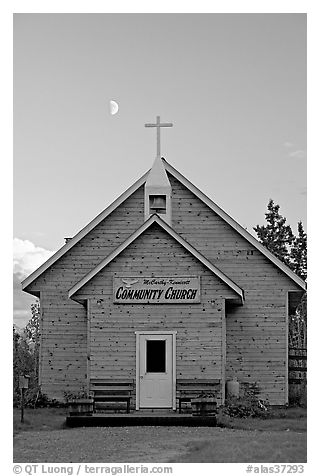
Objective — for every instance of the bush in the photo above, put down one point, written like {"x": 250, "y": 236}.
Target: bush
{"x": 34, "y": 398}
{"x": 247, "y": 405}
{"x": 82, "y": 393}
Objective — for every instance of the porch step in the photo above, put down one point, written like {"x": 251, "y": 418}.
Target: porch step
{"x": 140, "y": 419}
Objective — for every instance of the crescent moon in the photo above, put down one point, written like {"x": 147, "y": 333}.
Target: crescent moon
{"x": 114, "y": 108}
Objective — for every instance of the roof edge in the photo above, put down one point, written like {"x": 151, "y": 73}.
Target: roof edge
{"x": 156, "y": 219}
{"x": 204, "y": 198}
{"x": 235, "y": 225}
{"x": 84, "y": 231}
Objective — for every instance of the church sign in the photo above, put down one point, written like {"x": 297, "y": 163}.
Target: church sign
{"x": 156, "y": 290}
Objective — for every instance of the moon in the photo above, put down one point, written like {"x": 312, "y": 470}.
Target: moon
{"x": 114, "y": 107}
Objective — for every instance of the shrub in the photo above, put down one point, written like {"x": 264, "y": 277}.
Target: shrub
{"x": 247, "y": 405}
{"x": 34, "y": 398}
{"x": 82, "y": 393}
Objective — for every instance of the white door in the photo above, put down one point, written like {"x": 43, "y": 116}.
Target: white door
{"x": 155, "y": 371}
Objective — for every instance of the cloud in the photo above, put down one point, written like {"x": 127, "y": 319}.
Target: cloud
{"x": 21, "y": 303}
{"x": 299, "y": 154}
{"x": 27, "y": 257}
{"x": 293, "y": 152}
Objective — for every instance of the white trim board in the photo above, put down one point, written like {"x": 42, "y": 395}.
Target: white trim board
{"x": 155, "y": 332}
{"x": 174, "y": 371}
{"x": 156, "y": 219}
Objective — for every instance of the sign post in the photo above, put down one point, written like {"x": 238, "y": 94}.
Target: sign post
{"x": 23, "y": 385}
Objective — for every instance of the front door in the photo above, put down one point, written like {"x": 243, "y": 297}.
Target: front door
{"x": 155, "y": 370}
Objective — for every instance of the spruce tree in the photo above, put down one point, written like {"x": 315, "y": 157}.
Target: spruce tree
{"x": 298, "y": 253}
{"x": 276, "y": 236}
{"x": 292, "y": 250}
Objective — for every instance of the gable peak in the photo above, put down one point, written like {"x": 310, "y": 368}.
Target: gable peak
{"x": 157, "y": 176}
{"x": 157, "y": 192}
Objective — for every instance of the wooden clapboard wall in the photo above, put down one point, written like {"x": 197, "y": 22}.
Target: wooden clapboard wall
{"x": 63, "y": 365}
{"x": 198, "y": 325}
{"x": 255, "y": 333}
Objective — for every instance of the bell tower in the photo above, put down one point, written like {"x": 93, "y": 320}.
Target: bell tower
{"x": 157, "y": 192}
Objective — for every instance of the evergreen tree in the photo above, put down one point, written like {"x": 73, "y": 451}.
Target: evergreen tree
{"x": 292, "y": 250}
{"x": 276, "y": 236}
{"x": 298, "y": 253}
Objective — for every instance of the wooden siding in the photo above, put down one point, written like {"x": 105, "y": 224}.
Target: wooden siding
{"x": 256, "y": 332}
{"x": 63, "y": 345}
{"x": 198, "y": 326}
{"x": 63, "y": 362}
{"x": 94, "y": 247}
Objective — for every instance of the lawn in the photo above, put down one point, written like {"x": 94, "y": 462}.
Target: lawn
{"x": 39, "y": 419}
{"x": 292, "y": 419}
{"x": 43, "y": 438}
{"x": 239, "y": 446}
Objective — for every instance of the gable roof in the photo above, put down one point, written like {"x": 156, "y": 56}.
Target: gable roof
{"x": 84, "y": 231}
{"x": 227, "y": 218}
{"x": 156, "y": 219}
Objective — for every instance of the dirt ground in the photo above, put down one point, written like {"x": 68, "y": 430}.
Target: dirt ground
{"x": 159, "y": 445}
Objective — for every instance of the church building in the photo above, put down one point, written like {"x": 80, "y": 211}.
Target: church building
{"x": 162, "y": 286}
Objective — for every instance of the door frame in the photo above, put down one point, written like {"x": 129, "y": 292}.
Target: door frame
{"x": 152, "y": 333}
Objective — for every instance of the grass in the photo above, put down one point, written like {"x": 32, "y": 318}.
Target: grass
{"x": 38, "y": 419}
{"x": 281, "y": 438}
{"x": 280, "y": 419}
{"x": 292, "y": 419}
{"x": 237, "y": 446}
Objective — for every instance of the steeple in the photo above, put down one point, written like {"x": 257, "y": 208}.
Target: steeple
{"x": 157, "y": 192}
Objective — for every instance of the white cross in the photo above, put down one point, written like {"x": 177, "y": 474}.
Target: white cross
{"x": 158, "y": 124}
